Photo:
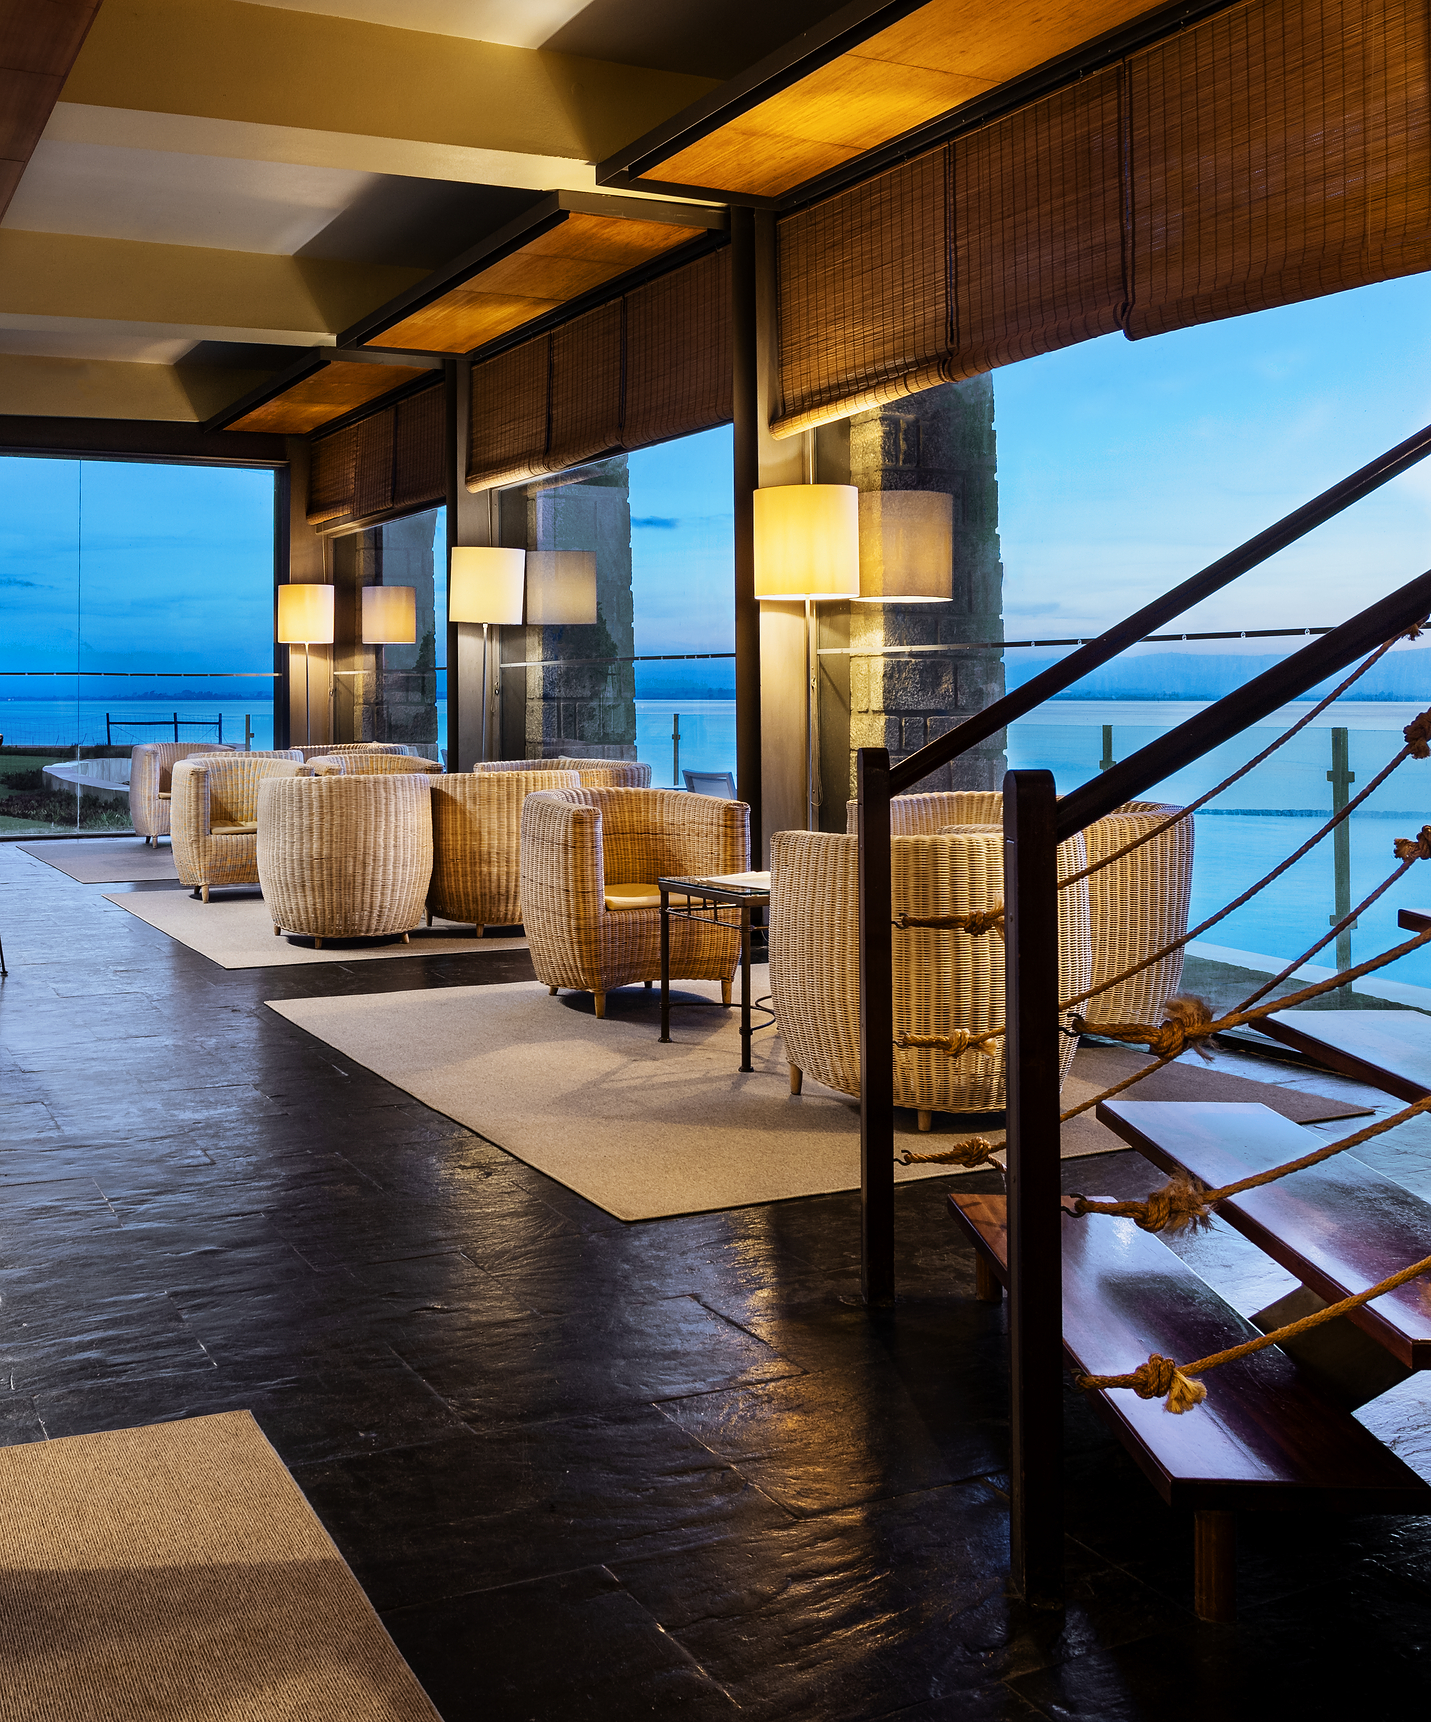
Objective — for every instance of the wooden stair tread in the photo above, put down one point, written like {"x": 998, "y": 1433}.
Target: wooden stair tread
{"x": 1389, "y": 1049}
{"x": 1263, "y": 1438}
{"x": 1340, "y": 1227}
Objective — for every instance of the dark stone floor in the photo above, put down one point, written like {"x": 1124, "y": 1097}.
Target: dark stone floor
{"x": 587, "y": 1469}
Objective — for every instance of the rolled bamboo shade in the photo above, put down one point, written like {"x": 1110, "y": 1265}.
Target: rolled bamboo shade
{"x": 1279, "y": 151}
{"x": 1275, "y": 152}
{"x": 392, "y": 459}
{"x": 653, "y": 364}
{"x": 587, "y": 376}
{"x": 510, "y": 423}
{"x": 680, "y": 358}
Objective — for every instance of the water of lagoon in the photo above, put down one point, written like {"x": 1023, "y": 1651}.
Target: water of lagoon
{"x": 1260, "y": 820}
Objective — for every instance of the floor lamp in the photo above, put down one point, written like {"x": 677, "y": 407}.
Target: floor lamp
{"x": 305, "y": 618}
{"x": 807, "y": 547}
{"x": 389, "y": 619}
{"x": 485, "y": 584}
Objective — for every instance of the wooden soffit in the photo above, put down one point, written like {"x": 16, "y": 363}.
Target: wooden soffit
{"x": 39, "y": 43}
{"x": 571, "y": 245}
{"x": 867, "y": 76}
{"x": 323, "y": 387}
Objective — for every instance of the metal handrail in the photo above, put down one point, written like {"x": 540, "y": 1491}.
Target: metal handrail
{"x": 1142, "y": 622}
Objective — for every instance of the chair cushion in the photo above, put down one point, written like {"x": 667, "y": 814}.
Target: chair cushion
{"x": 233, "y": 830}
{"x": 640, "y": 894}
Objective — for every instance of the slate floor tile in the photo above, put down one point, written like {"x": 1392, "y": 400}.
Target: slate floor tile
{"x": 574, "y": 1646}
{"x": 527, "y": 1366}
{"x": 552, "y": 1496}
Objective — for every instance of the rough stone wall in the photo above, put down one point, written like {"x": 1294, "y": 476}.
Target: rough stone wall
{"x": 940, "y": 440}
{"x": 587, "y": 710}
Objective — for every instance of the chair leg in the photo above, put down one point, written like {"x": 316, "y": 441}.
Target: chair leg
{"x": 797, "y": 1076}
{"x": 429, "y": 917}
{"x": 598, "y": 998}
{"x": 649, "y": 985}
{"x": 317, "y": 943}
{"x": 204, "y": 892}
{"x": 725, "y": 992}
{"x": 277, "y": 931}
{"x": 552, "y": 991}
{"x": 407, "y": 938}
{"x": 926, "y": 1120}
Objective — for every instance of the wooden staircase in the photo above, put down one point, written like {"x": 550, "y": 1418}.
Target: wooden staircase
{"x": 1270, "y": 1436}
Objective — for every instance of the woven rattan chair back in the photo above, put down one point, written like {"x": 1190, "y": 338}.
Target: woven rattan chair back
{"x": 942, "y": 980}
{"x": 477, "y": 843}
{"x": 345, "y": 857}
{"x": 593, "y": 773}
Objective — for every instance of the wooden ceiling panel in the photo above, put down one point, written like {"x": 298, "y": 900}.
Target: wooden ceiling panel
{"x": 38, "y": 46}
{"x": 580, "y": 253}
{"x": 330, "y": 393}
{"x": 461, "y": 320}
{"x": 945, "y": 54}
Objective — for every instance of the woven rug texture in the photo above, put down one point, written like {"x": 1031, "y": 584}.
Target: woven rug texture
{"x": 645, "y": 1130}
{"x": 178, "y": 1572}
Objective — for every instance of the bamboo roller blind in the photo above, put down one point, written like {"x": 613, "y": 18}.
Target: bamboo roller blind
{"x": 394, "y": 458}
{"x": 655, "y": 363}
{"x": 1275, "y": 152}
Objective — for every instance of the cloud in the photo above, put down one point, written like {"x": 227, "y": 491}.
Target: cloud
{"x": 10, "y": 580}
{"x": 655, "y": 520}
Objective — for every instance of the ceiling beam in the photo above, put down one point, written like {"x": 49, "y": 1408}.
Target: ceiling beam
{"x": 261, "y": 65}
{"x": 39, "y": 40}
{"x": 115, "y": 389}
{"x": 56, "y": 279}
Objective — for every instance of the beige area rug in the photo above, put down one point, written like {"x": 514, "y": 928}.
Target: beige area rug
{"x": 177, "y": 1571}
{"x": 234, "y": 931}
{"x": 105, "y": 860}
{"x": 645, "y": 1130}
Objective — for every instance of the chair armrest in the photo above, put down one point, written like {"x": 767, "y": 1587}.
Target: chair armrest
{"x": 561, "y": 865}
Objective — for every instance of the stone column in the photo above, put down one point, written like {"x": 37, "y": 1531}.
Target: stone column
{"x": 940, "y": 440}
{"x": 586, "y": 709}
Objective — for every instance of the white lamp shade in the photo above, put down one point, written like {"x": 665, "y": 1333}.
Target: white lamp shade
{"x": 561, "y": 587}
{"x": 807, "y": 541}
{"x": 485, "y": 584}
{"x": 389, "y": 615}
{"x": 906, "y": 547}
{"x": 305, "y": 615}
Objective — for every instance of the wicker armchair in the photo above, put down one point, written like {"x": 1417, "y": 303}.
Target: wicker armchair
{"x": 344, "y": 857}
{"x": 942, "y": 980}
{"x": 1136, "y": 905}
{"x": 313, "y": 750}
{"x": 150, "y": 766}
{"x": 477, "y": 843}
{"x": 594, "y": 773}
{"x": 214, "y": 813}
{"x": 364, "y": 764}
{"x": 590, "y": 861}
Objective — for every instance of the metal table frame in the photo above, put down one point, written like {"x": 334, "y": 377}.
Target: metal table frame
{"x": 714, "y": 898}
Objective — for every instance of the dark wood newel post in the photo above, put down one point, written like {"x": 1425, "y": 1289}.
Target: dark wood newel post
{"x": 876, "y": 1031}
{"x": 1035, "y": 1242}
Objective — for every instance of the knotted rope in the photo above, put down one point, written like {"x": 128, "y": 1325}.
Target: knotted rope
{"x": 1174, "y": 1383}
{"x": 1188, "y": 1023}
{"x": 1184, "y": 1204}
{"x": 975, "y": 924}
{"x": 955, "y": 1043}
{"x": 974, "y": 1152}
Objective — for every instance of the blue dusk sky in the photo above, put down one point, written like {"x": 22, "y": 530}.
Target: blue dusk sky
{"x": 682, "y": 568}
{"x": 147, "y": 567}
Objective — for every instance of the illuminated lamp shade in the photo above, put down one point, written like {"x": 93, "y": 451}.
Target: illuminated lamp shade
{"x": 807, "y": 542}
{"x": 305, "y": 615}
{"x": 389, "y": 615}
{"x": 485, "y": 584}
{"x": 906, "y": 547}
{"x": 561, "y": 587}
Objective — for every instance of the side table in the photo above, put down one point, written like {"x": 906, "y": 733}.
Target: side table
{"x": 704, "y": 901}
